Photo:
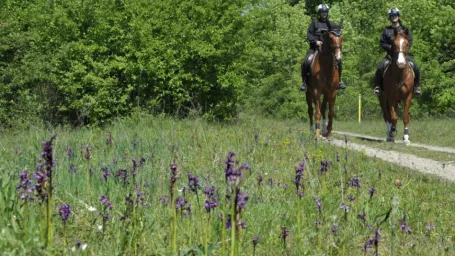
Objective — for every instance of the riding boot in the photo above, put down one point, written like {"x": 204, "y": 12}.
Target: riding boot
{"x": 304, "y": 77}
{"x": 341, "y": 85}
{"x": 378, "y": 82}
{"x": 417, "y": 90}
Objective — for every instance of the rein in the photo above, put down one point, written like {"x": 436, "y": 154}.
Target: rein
{"x": 332, "y": 49}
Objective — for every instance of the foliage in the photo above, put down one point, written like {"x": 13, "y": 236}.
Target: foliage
{"x": 86, "y": 62}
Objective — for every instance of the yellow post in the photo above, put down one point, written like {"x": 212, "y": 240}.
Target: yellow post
{"x": 360, "y": 108}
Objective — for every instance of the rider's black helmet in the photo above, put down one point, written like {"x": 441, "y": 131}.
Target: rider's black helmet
{"x": 394, "y": 11}
{"x": 323, "y": 8}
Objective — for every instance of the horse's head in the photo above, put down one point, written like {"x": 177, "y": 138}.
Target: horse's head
{"x": 333, "y": 42}
{"x": 400, "y": 47}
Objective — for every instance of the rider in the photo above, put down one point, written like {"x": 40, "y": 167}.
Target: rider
{"x": 314, "y": 36}
{"x": 386, "y": 41}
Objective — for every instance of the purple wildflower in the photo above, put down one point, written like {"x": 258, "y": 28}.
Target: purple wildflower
{"x": 209, "y": 191}
{"x": 371, "y": 191}
{"x": 362, "y": 216}
{"x": 242, "y": 199}
{"x": 122, "y": 175}
{"x": 228, "y": 222}
{"x": 134, "y": 171}
{"x": 64, "y": 211}
{"x": 377, "y": 236}
{"x": 299, "y": 174}
{"x": 193, "y": 182}
{"x": 351, "y": 198}
{"x": 404, "y": 227}
{"x": 41, "y": 179}
{"x": 344, "y": 207}
{"x": 142, "y": 162}
{"x": 284, "y": 233}
{"x": 174, "y": 177}
{"x": 255, "y": 241}
{"x": 69, "y": 152}
{"x": 88, "y": 152}
{"x": 430, "y": 226}
{"x": 354, "y": 182}
{"x": 106, "y": 173}
{"x": 109, "y": 139}
{"x": 318, "y": 204}
{"x": 232, "y": 174}
{"x": 334, "y": 228}
{"x": 318, "y": 223}
{"x": 368, "y": 244}
{"x": 210, "y": 205}
{"x": 259, "y": 179}
{"x": 107, "y": 204}
{"x": 24, "y": 188}
{"x": 242, "y": 224}
{"x": 324, "y": 166}
{"x": 164, "y": 200}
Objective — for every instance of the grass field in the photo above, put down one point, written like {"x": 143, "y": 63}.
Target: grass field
{"x": 297, "y": 197}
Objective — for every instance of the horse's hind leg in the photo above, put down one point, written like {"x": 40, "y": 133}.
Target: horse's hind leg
{"x": 393, "y": 119}
{"x": 386, "y": 116}
{"x": 407, "y": 105}
{"x": 323, "y": 113}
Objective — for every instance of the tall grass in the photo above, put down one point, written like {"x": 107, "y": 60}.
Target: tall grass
{"x": 140, "y": 222}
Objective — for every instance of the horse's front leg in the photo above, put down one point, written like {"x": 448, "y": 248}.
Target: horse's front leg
{"x": 309, "y": 102}
{"x": 332, "y": 100}
{"x": 317, "y": 106}
{"x": 393, "y": 120}
{"x": 323, "y": 113}
{"x": 407, "y": 105}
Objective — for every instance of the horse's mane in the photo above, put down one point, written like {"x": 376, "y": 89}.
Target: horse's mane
{"x": 404, "y": 32}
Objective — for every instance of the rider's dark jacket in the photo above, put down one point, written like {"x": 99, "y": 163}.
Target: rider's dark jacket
{"x": 387, "y": 38}
{"x": 314, "y": 32}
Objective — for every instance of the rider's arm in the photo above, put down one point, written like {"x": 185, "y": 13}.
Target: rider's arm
{"x": 409, "y": 39}
{"x": 384, "y": 42}
{"x": 310, "y": 33}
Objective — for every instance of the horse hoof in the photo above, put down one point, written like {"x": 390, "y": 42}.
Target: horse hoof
{"x": 407, "y": 142}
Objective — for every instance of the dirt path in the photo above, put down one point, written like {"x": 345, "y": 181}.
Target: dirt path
{"x": 443, "y": 169}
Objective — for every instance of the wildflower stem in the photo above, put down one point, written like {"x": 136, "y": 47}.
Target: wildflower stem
{"x": 50, "y": 233}
{"x": 174, "y": 232}
{"x": 233, "y": 221}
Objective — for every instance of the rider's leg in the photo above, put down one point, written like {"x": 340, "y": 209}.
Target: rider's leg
{"x": 341, "y": 85}
{"x": 305, "y": 68}
{"x": 379, "y": 74}
{"x": 416, "y": 69}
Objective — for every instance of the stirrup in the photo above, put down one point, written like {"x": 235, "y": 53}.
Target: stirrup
{"x": 377, "y": 91}
{"x": 341, "y": 86}
{"x": 417, "y": 91}
{"x": 303, "y": 87}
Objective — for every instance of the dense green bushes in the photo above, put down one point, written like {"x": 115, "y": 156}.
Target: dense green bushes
{"x": 85, "y": 62}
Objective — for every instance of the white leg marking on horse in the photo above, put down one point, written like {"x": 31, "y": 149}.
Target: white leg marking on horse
{"x": 324, "y": 126}
{"x": 312, "y": 128}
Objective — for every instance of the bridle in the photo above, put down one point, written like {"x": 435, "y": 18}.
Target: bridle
{"x": 333, "y": 48}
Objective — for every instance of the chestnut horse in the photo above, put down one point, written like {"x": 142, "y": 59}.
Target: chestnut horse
{"x": 323, "y": 80}
{"x": 398, "y": 86}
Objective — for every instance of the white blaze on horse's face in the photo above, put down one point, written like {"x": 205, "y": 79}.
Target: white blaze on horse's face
{"x": 338, "y": 51}
{"x": 401, "y": 59}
